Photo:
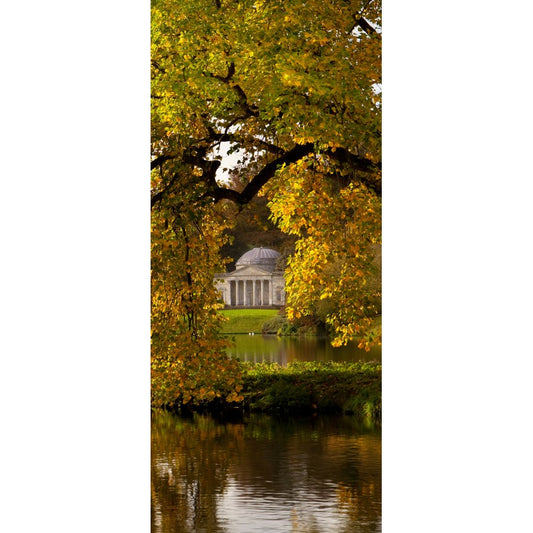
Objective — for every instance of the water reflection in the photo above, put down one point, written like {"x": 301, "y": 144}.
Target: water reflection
{"x": 283, "y": 350}
{"x": 265, "y": 475}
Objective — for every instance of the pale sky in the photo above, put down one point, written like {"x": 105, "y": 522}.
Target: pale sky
{"x": 228, "y": 161}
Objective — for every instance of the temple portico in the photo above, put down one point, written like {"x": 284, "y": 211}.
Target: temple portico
{"x": 254, "y": 283}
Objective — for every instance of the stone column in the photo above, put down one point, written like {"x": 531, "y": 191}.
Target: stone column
{"x": 225, "y": 293}
{"x": 240, "y": 292}
{"x": 232, "y": 293}
{"x": 248, "y": 292}
{"x": 266, "y": 292}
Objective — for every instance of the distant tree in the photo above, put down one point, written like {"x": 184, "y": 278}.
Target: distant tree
{"x": 253, "y": 227}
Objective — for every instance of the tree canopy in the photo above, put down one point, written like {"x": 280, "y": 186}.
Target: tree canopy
{"x": 293, "y": 88}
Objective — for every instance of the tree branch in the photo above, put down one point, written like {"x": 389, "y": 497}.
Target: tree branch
{"x": 262, "y": 177}
{"x": 243, "y": 99}
{"x": 365, "y": 166}
{"x": 158, "y": 196}
{"x": 367, "y": 172}
{"x": 158, "y": 161}
{"x": 365, "y": 26}
{"x": 232, "y": 137}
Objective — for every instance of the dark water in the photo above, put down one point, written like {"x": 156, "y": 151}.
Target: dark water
{"x": 263, "y": 475}
{"x": 283, "y": 350}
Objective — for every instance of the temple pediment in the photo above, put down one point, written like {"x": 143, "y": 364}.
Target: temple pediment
{"x": 249, "y": 270}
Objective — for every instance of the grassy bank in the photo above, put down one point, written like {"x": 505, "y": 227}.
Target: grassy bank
{"x": 303, "y": 388}
{"x": 246, "y": 320}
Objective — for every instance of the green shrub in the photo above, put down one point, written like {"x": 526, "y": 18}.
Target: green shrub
{"x": 353, "y": 388}
{"x": 273, "y": 325}
{"x": 285, "y": 396}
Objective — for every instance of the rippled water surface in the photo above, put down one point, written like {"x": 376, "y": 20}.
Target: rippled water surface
{"x": 265, "y": 475}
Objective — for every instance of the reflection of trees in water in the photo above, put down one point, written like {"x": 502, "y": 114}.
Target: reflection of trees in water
{"x": 353, "y": 499}
{"x": 300, "y": 465}
{"x": 283, "y": 350}
{"x": 189, "y": 469}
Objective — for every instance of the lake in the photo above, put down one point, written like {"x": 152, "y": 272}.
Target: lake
{"x": 283, "y": 350}
{"x": 265, "y": 475}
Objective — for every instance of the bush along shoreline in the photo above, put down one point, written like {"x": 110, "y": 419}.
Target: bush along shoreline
{"x": 301, "y": 388}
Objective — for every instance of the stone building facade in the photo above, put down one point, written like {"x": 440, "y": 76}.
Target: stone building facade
{"x": 255, "y": 282}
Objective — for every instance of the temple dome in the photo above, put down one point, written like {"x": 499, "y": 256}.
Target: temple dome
{"x": 262, "y": 257}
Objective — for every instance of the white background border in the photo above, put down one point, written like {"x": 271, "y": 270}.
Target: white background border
{"x": 75, "y": 288}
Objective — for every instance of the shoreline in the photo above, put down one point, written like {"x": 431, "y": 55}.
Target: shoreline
{"x": 299, "y": 389}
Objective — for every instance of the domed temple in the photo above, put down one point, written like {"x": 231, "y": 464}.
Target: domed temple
{"x": 255, "y": 282}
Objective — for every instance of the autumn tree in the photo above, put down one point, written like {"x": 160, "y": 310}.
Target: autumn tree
{"x": 189, "y": 360}
{"x": 334, "y": 274}
{"x": 293, "y": 88}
